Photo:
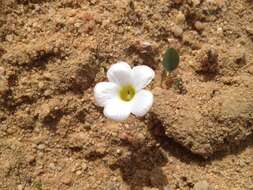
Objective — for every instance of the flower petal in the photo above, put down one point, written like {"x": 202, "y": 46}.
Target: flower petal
{"x": 142, "y": 76}
{"x": 120, "y": 73}
{"x": 105, "y": 91}
{"x": 117, "y": 109}
{"x": 142, "y": 102}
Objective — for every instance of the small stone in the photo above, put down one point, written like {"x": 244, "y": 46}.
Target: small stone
{"x": 242, "y": 163}
{"x": 67, "y": 180}
{"x": 78, "y": 24}
{"x": 249, "y": 29}
{"x": 20, "y": 187}
{"x": 219, "y": 31}
{"x": 59, "y": 168}
{"x": 196, "y": 2}
{"x": 40, "y": 154}
{"x": 52, "y": 166}
{"x": 250, "y": 69}
{"x": 174, "y": 43}
{"x": 6, "y": 166}
{"x": 41, "y": 84}
{"x": 9, "y": 37}
{"x": 166, "y": 187}
{"x": 30, "y": 159}
{"x": 79, "y": 172}
{"x": 145, "y": 47}
{"x": 202, "y": 185}
{"x": 118, "y": 151}
{"x": 199, "y": 25}
{"x": 73, "y": 169}
{"x": 239, "y": 56}
{"x": 3, "y": 87}
{"x": 180, "y": 18}
{"x": 47, "y": 75}
{"x": 47, "y": 92}
{"x": 84, "y": 166}
{"x": 41, "y": 147}
{"x": 220, "y": 3}
{"x": 177, "y": 31}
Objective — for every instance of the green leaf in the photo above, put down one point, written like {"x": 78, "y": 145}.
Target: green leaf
{"x": 170, "y": 59}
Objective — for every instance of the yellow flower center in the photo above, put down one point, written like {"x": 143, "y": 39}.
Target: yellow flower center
{"x": 127, "y": 92}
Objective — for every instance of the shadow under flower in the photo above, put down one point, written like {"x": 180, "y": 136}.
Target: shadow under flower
{"x": 142, "y": 167}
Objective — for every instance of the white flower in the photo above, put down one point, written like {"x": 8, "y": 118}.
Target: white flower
{"x": 124, "y": 93}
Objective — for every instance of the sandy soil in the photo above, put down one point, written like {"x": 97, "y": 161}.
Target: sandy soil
{"x": 198, "y": 134}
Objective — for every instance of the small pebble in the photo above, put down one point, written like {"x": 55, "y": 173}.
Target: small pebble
{"x": 3, "y": 87}
{"x": 84, "y": 166}
{"x": 47, "y": 75}
{"x": 47, "y": 92}
{"x": 249, "y": 29}
{"x": 41, "y": 84}
{"x": 118, "y": 151}
{"x": 31, "y": 159}
{"x": 79, "y": 172}
{"x": 250, "y": 69}
{"x": 9, "y": 38}
{"x": 202, "y": 185}
{"x": 177, "y": 31}
{"x": 199, "y": 25}
{"x": 73, "y": 169}
{"x": 59, "y": 168}
{"x": 196, "y": 2}
{"x": 146, "y": 45}
{"x": 20, "y": 187}
{"x": 180, "y": 18}
{"x": 52, "y": 166}
{"x": 219, "y": 31}
{"x": 40, "y": 154}
{"x": 66, "y": 180}
{"x": 41, "y": 147}
{"x": 78, "y": 24}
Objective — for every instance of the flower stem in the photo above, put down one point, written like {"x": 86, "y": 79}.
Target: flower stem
{"x": 164, "y": 74}
{"x": 167, "y": 79}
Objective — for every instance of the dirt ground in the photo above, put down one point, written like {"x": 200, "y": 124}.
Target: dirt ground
{"x": 199, "y": 133}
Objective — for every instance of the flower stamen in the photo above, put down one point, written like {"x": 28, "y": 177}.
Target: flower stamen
{"x": 127, "y": 92}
